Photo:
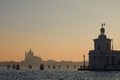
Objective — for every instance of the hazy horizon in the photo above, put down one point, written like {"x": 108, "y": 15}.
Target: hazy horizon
{"x": 55, "y": 29}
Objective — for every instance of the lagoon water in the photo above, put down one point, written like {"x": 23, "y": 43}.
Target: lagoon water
{"x": 26, "y": 74}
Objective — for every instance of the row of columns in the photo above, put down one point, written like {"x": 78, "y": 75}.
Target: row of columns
{"x": 102, "y": 61}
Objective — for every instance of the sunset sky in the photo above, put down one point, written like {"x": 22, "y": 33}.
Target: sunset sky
{"x": 55, "y": 29}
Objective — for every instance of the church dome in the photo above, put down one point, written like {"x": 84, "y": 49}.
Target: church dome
{"x": 30, "y": 53}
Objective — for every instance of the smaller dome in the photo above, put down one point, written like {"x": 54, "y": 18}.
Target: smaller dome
{"x": 102, "y": 30}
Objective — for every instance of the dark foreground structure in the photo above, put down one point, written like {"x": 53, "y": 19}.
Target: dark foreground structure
{"x": 103, "y": 57}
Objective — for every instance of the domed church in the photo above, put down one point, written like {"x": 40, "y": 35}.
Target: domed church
{"x": 29, "y": 57}
{"x": 103, "y": 56}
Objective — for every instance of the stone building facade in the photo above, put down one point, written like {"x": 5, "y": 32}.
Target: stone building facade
{"x": 103, "y": 56}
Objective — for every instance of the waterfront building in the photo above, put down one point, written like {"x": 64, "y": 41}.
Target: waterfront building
{"x": 103, "y": 56}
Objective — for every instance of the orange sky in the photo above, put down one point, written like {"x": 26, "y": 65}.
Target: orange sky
{"x": 57, "y": 30}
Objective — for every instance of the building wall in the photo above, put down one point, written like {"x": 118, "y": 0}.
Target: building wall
{"x": 106, "y": 60}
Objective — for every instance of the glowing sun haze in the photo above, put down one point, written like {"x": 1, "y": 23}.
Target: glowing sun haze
{"x": 55, "y": 29}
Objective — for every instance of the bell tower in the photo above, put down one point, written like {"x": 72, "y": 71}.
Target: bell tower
{"x": 102, "y": 42}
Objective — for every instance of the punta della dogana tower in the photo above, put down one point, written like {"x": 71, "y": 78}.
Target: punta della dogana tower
{"x": 103, "y": 56}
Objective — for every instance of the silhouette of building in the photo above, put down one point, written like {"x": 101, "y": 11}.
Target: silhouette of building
{"x": 103, "y": 56}
{"x": 29, "y": 57}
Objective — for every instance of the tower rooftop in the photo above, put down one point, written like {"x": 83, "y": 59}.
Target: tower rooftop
{"x": 102, "y": 30}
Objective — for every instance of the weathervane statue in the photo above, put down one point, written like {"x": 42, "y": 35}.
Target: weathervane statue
{"x": 103, "y": 24}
